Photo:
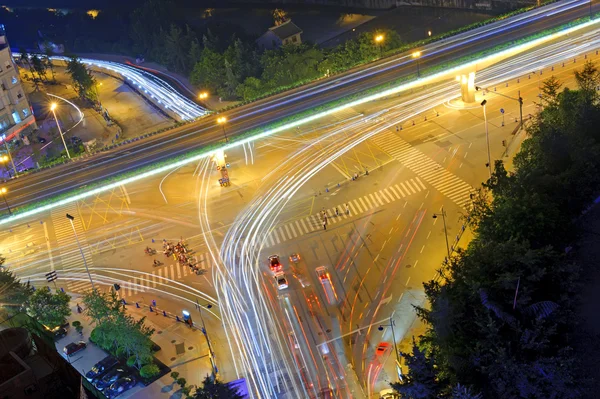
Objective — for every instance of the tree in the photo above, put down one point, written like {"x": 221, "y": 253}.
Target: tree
{"x": 462, "y": 392}
{"x": 101, "y": 306}
{"x": 420, "y": 381}
{"x": 215, "y": 389}
{"x": 550, "y": 90}
{"x": 588, "y": 79}
{"x": 149, "y": 371}
{"x": 176, "y": 48}
{"x": 13, "y": 294}
{"x": 39, "y": 67}
{"x": 48, "y": 60}
{"x": 49, "y": 309}
{"x": 82, "y": 79}
{"x": 209, "y": 72}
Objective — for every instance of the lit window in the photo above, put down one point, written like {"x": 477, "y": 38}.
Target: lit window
{"x": 14, "y": 80}
{"x": 16, "y": 117}
{"x": 25, "y": 112}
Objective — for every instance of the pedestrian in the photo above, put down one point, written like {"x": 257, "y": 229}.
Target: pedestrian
{"x": 347, "y": 210}
{"x": 324, "y": 225}
{"x": 366, "y": 172}
{"x": 337, "y": 211}
{"x": 396, "y": 127}
{"x": 355, "y": 176}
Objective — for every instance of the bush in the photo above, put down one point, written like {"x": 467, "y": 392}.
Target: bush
{"x": 121, "y": 352}
{"x": 131, "y": 361}
{"x": 175, "y": 375}
{"x": 181, "y": 382}
{"x": 76, "y": 323}
{"x": 149, "y": 370}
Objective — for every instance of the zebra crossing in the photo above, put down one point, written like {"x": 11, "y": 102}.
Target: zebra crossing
{"x": 161, "y": 276}
{"x": 308, "y": 224}
{"x": 433, "y": 173}
{"x": 70, "y": 255}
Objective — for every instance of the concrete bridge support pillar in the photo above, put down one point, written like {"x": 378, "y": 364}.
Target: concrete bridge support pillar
{"x": 467, "y": 87}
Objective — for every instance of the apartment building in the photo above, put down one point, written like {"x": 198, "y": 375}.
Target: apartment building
{"x": 16, "y": 114}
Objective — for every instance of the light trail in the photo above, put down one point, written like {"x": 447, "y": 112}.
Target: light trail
{"x": 248, "y": 314}
{"x": 386, "y": 93}
{"x": 150, "y": 85}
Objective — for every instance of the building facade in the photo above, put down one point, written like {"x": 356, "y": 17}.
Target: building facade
{"x": 16, "y": 114}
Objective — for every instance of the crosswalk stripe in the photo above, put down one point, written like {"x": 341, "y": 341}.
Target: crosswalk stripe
{"x": 178, "y": 270}
{"x": 420, "y": 183}
{"x": 304, "y": 226}
{"x": 274, "y": 233}
{"x": 281, "y": 234}
{"x": 287, "y": 229}
{"x": 376, "y": 199}
{"x": 385, "y": 194}
{"x": 363, "y": 204}
{"x": 185, "y": 271}
{"x": 171, "y": 267}
{"x": 405, "y": 189}
{"x": 411, "y": 187}
{"x": 393, "y": 190}
{"x": 400, "y": 190}
{"x": 355, "y": 202}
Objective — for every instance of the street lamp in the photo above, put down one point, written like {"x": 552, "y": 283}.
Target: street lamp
{"x": 416, "y": 55}
{"x": 5, "y": 158}
{"x": 429, "y": 33}
{"x": 443, "y": 215}
{"x": 71, "y": 218}
{"x": 221, "y": 121}
{"x": 3, "y": 190}
{"x": 210, "y": 350}
{"x": 203, "y": 95}
{"x": 391, "y": 325}
{"x": 53, "y": 109}
{"x": 487, "y": 138}
{"x": 379, "y": 40}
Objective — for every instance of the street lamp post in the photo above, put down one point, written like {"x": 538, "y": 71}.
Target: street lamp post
{"x": 53, "y": 109}
{"x": 98, "y": 93}
{"x": 487, "y": 138}
{"x": 379, "y": 40}
{"x": 416, "y": 55}
{"x": 5, "y": 158}
{"x": 443, "y": 215}
{"x": 71, "y": 218}
{"x": 3, "y": 190}
{"x": 221, "y": 121}
{"x": 203, "y": 95}
{"x": 213, "y": 363}
{"x": 391, "y": 325}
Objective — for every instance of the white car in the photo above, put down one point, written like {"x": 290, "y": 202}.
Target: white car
{"x": 282, "y": 282}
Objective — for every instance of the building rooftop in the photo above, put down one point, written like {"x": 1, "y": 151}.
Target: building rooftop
{"x": 286, "y": 29}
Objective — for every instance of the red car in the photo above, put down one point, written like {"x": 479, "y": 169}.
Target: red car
{"x": 382, "y": 348}
{"x": 274, "y": 264}
{"x": 74, "y": 347}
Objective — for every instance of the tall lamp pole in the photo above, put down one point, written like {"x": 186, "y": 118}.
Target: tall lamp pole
{"x": 487, "y": 138}
{"x": 53, "y": 109}
{"x": 3, "y": 190}
{"x": 391, "y": 325}
{"x": 221, "y": 121}
{"x": 443, "y": 215}
{"x": 379, "y": 40}
{"x": 71, "y": 218}
{"x": 3, "y": 159}
{"x": 519, "y": 100}
{"x": 416, "y": 55}
{"x": 210, "y": 349}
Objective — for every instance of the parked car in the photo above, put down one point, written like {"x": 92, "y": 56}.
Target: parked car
{"x": 59, "y": 332}
{"x": 111, "y": 377}
{"x": 119, "y": 386}
{"x": 101, "y": 368}
{"x": 74, "y": 347}
{"x": 41, "y": 140}
{"x": 76, "y": 140}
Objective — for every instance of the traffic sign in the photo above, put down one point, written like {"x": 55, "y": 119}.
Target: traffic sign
{"x": 501, "y": 110}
